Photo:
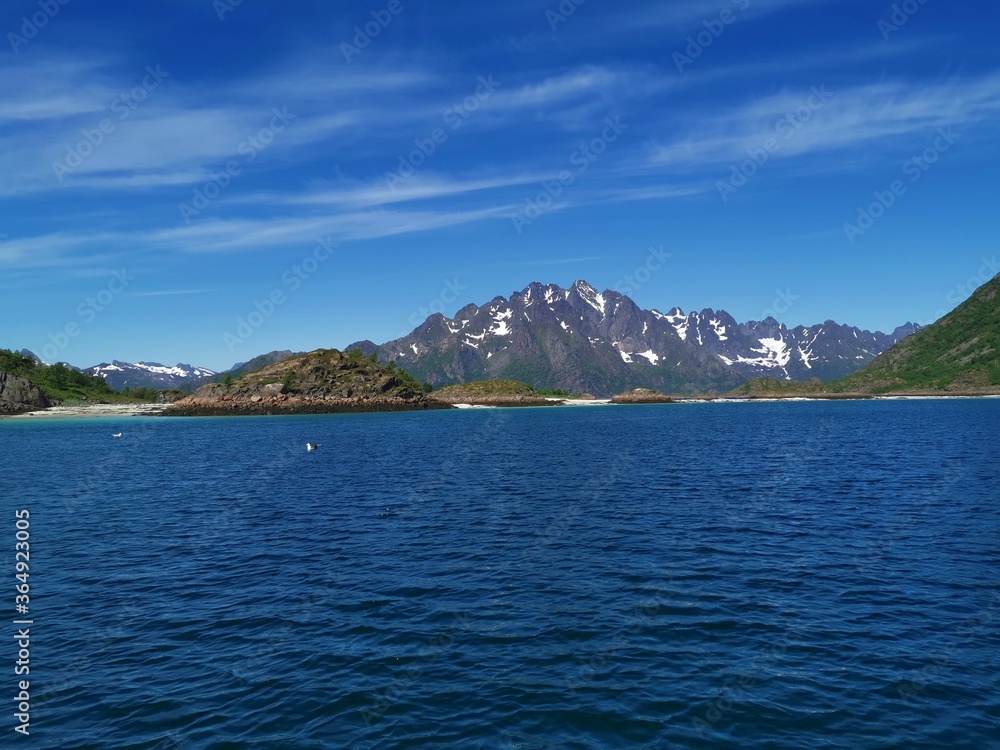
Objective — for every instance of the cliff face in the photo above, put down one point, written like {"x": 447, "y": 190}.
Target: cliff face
{"x": 317, "y": 382}
{"x": 18, "y": 395}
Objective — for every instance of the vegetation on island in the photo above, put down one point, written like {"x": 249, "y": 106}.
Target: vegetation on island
{"x": 324, "y": 380}
{"x": 67, "y": 385}
{"x": 501, "y": 393}
{"x": 483, "y": 388}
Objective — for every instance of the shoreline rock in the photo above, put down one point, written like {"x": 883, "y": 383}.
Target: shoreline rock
{"x": 642, "y": 396}
{"x": 195, "y": 406}
{"x": 511, "y": 400}
{"x": 18, "y": 395}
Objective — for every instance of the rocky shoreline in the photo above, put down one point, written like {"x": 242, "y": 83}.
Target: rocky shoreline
{"x": 284, "y": 405}
{"x": 501, "y": 400}
{"x": 642, "y": 396}
{"x": 19, "y": 396}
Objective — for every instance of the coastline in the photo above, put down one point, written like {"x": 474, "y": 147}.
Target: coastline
{"x": 90, "y": 410}
{"x": 153, "y": 410}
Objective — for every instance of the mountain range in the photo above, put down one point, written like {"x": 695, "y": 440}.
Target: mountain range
{"x": 121, "y": 375}
{"x": 180, "y": 377}
{"x": 582, "y": 340}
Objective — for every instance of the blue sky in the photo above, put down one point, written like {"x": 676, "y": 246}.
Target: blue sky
{"x": 203, "y": 182}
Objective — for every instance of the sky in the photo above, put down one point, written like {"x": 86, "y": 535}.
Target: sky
{"x": 202, "y": 182}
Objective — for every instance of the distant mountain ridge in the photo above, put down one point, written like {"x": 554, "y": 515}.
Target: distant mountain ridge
{"x": 583, "y": 340}
{"x": 181, "y": 377}
{"x": 120, "y": 375}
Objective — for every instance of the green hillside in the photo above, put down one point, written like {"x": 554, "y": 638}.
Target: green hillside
{"x": 960, "y": 352}
{"x": 69, "y": 386}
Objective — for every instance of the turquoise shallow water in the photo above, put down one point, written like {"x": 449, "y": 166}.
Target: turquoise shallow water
{"x": 816, "y": 575}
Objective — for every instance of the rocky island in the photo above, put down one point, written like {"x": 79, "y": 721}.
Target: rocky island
{"x": 642, "y": 396}
{"x": 494, "y": 393}
{"x": 318, "y": 382}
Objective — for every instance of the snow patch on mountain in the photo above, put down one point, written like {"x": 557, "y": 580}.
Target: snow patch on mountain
{"x": 679, "y": 321}
{"x": 500, "y": 327}
{"x": 775, "y": 354}
{"x": 805, "y": 354}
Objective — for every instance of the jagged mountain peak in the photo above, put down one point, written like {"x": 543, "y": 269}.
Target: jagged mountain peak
{"x": 119, "y": 374}
{"x": 602, "y": 342}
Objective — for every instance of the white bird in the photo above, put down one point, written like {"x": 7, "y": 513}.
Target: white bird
{"x": 312, "y": 446}
{"x": 117, "y": 434}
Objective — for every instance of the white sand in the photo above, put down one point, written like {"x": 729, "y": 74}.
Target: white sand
{"x": 93, "y": 410}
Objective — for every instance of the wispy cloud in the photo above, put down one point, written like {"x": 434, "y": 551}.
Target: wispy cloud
{"x": 847, "y": 119}
{"x": 419, "y": 188}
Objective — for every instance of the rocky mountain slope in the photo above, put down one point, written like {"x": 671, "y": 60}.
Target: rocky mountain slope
{"x": 579, "y": 339}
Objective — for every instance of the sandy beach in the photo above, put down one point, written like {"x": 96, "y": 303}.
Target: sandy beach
{"x": 91, "y": 410}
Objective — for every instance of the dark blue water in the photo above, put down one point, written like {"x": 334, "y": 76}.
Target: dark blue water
{"x": 797, "y": 575}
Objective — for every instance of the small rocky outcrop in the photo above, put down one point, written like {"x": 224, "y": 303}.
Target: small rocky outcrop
{"x": 493, "y": 393}
{"x": 170, "y": 397}
{"x": 641, "y": 396}
{"x": 319, "y": 382}
{"x": 18, "y": 395}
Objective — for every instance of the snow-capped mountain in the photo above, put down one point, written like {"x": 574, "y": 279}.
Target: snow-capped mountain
{"x": 147, "y": 374}
{"x": 580, "y": 339}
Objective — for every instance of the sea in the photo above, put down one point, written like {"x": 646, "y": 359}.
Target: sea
{"x": 715, "y": 575}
